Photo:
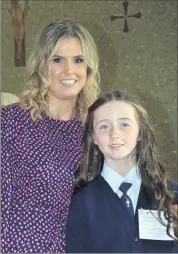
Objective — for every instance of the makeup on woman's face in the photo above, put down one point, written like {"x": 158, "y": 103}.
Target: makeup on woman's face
{"x": 68, "y": 70}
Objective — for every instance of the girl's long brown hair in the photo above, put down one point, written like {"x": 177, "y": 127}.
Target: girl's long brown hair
{"x": 152, "y": 172}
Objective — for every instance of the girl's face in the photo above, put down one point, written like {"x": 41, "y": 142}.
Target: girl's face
{"x": 116, "y": 131}
{"x": 68, "y": 70}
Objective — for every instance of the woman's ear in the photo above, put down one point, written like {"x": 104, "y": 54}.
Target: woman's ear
{"x": 138, "y": 139}
{"x": 88, "y": 71}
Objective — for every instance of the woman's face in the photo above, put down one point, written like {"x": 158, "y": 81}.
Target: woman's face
{"x": 68, "y": 70}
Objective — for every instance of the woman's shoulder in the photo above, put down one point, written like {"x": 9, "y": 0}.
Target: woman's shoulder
{"x": 13, "y": 113}
{"x": 11, "y": 108}
{"x": 83, "y": 118}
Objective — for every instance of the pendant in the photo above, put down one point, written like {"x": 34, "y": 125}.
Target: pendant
{"x": 127, "y": 203}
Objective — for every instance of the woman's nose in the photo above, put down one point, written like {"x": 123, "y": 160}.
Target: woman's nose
{"x": 68, "y": 67}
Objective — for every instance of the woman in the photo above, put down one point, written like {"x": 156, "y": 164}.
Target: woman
{"x": 41, "y": 139}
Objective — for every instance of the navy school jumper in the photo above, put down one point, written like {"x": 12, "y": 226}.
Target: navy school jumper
{"x": 99, "y": 222}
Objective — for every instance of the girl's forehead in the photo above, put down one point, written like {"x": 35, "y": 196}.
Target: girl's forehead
{"x": 120, "y": 109}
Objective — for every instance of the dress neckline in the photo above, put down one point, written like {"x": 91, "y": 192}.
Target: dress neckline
{"x": 73, "y": 119}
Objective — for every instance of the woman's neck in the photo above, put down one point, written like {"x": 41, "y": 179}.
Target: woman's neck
{"x": 62, "y": 109}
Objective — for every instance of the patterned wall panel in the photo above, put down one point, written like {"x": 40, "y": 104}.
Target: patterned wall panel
{"x": 142, "y": 61}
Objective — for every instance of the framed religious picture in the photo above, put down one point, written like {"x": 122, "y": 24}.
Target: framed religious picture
{"x": 18, "y": 10}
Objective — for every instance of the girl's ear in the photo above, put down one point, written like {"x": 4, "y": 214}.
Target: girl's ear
{"x": 94, "y": 140}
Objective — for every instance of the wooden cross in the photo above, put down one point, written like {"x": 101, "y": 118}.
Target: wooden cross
{"x": 125, "y": 16}
{"x": 18, "y": 11}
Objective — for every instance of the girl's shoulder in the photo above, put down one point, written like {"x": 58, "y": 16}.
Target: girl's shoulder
{"x": 172, "y": 185}
{"x": 87, "y": 190}
{"x": 173, "y": 188}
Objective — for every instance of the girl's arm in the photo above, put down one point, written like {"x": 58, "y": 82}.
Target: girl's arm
{"x": 77, "y": 235}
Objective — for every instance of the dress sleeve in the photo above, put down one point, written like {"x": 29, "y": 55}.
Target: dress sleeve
{"x": 8, "y": 133}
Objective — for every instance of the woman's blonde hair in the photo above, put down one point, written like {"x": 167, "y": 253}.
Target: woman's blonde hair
{"x": 38, "y": 77}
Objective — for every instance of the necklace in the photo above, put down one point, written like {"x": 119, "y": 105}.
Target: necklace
{"x": 128, "y": 203}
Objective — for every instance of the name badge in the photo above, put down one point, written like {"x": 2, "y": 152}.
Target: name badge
{"x": 150, "y": 227}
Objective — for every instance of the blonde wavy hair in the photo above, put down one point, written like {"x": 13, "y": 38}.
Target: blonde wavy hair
{"x": 38, "y": 78}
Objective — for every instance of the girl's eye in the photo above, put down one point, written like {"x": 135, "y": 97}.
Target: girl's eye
{"x": 78, "y": 60}
{"x": 57, "y": 60}
{"x": 103, "y": 127}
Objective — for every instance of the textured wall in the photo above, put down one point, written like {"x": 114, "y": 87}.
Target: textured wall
{"x": 142, "y": 61}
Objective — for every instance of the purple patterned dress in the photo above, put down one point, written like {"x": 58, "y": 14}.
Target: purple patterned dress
{"x": 38, "y": 161}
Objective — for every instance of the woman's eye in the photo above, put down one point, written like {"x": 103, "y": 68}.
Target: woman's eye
{"x": 57, "y": 60}
{"x": 124, "y": 125}
{"x": 78, "y": 60}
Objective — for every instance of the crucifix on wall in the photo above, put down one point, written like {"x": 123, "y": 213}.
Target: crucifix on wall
{"x": 18, "y": 10}
{"x": 126, "y": 16}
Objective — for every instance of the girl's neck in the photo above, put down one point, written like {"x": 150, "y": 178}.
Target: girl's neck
{"x": 123, "y": 166}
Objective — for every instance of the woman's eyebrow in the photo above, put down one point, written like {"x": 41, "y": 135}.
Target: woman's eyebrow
{"x": 72, "y": 56}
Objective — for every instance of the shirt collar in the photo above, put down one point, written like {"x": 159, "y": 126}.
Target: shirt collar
{"x": 114, "y": 179}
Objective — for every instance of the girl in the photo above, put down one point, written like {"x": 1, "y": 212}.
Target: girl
{"x": 120, "y": 209}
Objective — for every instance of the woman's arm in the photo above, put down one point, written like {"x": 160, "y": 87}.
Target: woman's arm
{"x": 8, "y": 134}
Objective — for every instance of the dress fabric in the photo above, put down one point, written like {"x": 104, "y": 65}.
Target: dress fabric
{"x": 38, "y": 161}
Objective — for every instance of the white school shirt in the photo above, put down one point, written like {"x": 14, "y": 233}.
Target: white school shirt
{"x": 114, "y": 179}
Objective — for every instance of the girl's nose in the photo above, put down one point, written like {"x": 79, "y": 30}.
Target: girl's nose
{"x": 115, "y": 133}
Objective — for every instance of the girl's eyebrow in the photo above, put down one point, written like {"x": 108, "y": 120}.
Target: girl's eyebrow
{"x": 103, "y": 120}
{"x": 124, "y": 118}
{"x": 121, "y": 118}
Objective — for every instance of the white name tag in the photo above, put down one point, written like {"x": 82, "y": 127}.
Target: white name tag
{"x": 150, "y": 227}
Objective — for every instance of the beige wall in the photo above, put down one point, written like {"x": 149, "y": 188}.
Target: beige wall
{"x": 142, "y": 61}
